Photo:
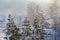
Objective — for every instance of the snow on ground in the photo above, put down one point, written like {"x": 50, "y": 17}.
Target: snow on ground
{"x": 51, "y": 31}
{"x": 2, "y": 35}
{"x": 2, "y": 27}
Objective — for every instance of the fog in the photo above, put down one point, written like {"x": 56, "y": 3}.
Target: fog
{"x": 19, "y": 6}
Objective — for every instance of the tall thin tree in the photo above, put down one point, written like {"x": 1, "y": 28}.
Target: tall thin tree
{"x": 12, "y": 30}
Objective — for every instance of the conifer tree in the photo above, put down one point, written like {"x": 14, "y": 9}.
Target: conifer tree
{"x": 36, "y": 24}
{"x": 12, "y": 30}
{"x": 27, "y": 25}
{"x": 26, "y": 22}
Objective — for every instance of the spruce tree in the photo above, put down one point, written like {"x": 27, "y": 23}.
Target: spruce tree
{"x": 36, "y": 24}
{"x": 27, "y": 25}
{"x": 26, "y": 22}
{"x": 12, "y": 30}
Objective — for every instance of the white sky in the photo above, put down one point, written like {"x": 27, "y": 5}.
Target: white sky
{"x": 20, "y": 6}
{"x": 42, "y": 1}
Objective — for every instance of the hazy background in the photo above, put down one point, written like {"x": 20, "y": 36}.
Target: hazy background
{"x": 19, "y": 7}
{"x": 11, "y": 6}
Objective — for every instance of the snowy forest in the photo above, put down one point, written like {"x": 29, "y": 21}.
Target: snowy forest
{"x": 41, "y": 22}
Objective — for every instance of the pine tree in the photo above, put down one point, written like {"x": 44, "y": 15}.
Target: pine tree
{"x": 27, "y": 25}
{"x": 42, "y": 26}
{"x": 36, "y": 14}
{"x": 36, "y": 23}
{"x": 12, "y": 30}
{"x": 39, "y": 26}
{"x": 26, "y": 22}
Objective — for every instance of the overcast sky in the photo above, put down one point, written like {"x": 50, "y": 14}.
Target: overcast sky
{"x": 9, "y": 6}
{"x": 20, "y": 6}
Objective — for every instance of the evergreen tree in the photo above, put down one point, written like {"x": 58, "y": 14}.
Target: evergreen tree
{"x": 27, "y": 25}
{"x": 26, "y": 22}
{"x": 12, "y": 30}
{"x": 36, "y": 14}
{"x": 42, "y": 26}
{"x": 36, "y": 23}
{"x": 39, "y": 26}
